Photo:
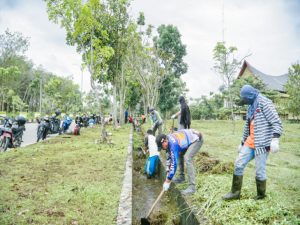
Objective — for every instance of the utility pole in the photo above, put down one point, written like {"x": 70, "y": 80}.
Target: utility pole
{"x": 81, "y": 80}
{"x": 41, "y": 93}
{"x": 81, "y": 86}
{"x": 223, "y": 23}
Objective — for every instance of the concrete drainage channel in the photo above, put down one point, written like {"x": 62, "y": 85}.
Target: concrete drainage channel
{"x": 139, "y": 193}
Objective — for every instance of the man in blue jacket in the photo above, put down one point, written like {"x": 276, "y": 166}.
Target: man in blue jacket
{"x": 183, "y": 143}
{"x": 261, "y": 136}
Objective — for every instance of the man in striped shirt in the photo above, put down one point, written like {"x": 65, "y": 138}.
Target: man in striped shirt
{"x": 183, "y": 143}
{"x": 261, "y": 136}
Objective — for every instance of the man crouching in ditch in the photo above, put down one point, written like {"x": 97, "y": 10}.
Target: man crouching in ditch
{"x": 181, "y": 144}
{"x": 261, "y": 136}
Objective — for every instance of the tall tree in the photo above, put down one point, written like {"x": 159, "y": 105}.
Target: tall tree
{"x": 226, "y": 65}
{"x": 12, "y": 44}
{"x": 172, "y": 87}
{"x": 8, "y": 76}
{"x": 13, "y": 69}
{"x": 145, "y": 65}
{"x": 171, "y": 51}
{"x": 98, "y": 29}
{"x": 293, "y": 90}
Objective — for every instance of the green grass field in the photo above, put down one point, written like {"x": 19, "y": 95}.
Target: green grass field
{"x": 64, "y": 180}
{"x": 282, "y": 205}
{"x": 75, "y": 180}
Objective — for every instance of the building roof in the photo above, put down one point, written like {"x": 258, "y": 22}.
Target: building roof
{"x": 272, "y": 82}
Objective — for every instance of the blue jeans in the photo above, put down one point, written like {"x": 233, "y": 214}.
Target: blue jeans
{"x": 150, "y": 167}
{"x": 246, "y": 155}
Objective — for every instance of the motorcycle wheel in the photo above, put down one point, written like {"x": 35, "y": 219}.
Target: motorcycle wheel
{"x": 39, "y": 135}
{"x": 1, "y": 144}
{"x": 17, "y": 142}
{"x": 6, "y": 143}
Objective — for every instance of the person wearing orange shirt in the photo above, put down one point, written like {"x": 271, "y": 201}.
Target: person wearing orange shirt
{"x": 261, "y": 136}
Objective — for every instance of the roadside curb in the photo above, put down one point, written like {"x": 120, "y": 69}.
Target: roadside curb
{"x": 124, "y": 216}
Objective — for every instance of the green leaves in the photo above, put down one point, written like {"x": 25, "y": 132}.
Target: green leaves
{"x": 170, "y": 49}
{"x": 293, "y": 90}
{"x": 225, "y": 62}
{"x": 12, "y": 44}
{"x": 141, "y": 19}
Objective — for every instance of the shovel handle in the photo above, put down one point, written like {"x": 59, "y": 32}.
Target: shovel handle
{"x": 156, "y": 201}
{"x": 172, "y": 126}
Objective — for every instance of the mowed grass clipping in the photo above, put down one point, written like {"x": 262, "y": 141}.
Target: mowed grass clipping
{"x": 215, "y": 165}
{"x": 64, "y": 180}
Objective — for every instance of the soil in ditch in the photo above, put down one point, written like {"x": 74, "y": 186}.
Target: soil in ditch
{"x": 145, "y": 191}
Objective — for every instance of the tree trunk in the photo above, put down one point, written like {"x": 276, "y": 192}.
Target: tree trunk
{"x": 145, "y": 106}
{"x": 122, "y": 93}
{"x": 115, "y": 105}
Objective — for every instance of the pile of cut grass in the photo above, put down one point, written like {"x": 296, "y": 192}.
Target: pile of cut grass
{"x": 64, "y": 180}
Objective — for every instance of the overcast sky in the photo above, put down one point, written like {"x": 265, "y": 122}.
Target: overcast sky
{"x": 269, "y": 29}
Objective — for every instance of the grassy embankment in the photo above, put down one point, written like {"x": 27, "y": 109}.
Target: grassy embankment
{"x": 214, "y": 176}
{"x": 64, "y": 180}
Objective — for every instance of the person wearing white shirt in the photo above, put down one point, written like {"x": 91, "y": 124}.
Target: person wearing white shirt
{"x": 151, "y": 147}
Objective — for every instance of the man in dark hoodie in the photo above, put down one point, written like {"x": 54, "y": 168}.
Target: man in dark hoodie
{"x": 261, "y": 136}
{"x": 184, "y": 113}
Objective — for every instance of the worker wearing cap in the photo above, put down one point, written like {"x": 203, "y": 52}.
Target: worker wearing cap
{"x": 187, "y": 142}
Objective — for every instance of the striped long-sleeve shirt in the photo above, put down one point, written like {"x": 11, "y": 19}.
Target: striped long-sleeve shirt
{"x": 266, "y": 124}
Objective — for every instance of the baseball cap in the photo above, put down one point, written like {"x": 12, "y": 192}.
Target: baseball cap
{"x": 159, "y": 140}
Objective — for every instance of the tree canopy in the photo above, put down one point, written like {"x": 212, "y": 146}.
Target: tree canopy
{"x": 293, "y": 90}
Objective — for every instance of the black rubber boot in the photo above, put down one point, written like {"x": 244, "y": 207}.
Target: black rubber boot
{"x": 261, "y": 189}
{"x": 236, "y": 187}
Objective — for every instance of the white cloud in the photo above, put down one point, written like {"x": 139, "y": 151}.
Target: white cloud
{"x": 47, "y": 40}
{"x": 269, "y": 29}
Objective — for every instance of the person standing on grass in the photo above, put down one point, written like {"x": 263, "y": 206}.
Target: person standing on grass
{"x": 156, "y": 120}
{"x": 151, "y": 147}
{"x": 188, "y": 142}
{"x": 261, "y": 136}
{"x": 126, "y": 115}
{"x": 184, "y": 113}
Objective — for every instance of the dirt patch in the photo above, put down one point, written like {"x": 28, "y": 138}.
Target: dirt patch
{"x": 50, "y": 212}
{"x": 205, "y": 163}
{"x": 158, "y": 218}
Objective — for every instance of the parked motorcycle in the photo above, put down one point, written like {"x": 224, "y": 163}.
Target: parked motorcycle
{"x": 55, "y": 123}
{"x": 12, "y": 132}
{"x": 85, "y": 121}
{"x": 79, "y": 121}
{"x": 43, "y": 128}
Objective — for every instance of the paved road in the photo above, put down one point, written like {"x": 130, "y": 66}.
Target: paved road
{"x": 29, "y": 136}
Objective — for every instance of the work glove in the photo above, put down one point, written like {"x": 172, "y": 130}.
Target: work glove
{"x": 166, "y": 185}
{"x": 274, "y": 147}
{"x": 173, "y": 116}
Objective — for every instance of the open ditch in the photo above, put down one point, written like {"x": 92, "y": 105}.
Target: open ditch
{"x": 171, "y": 209}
